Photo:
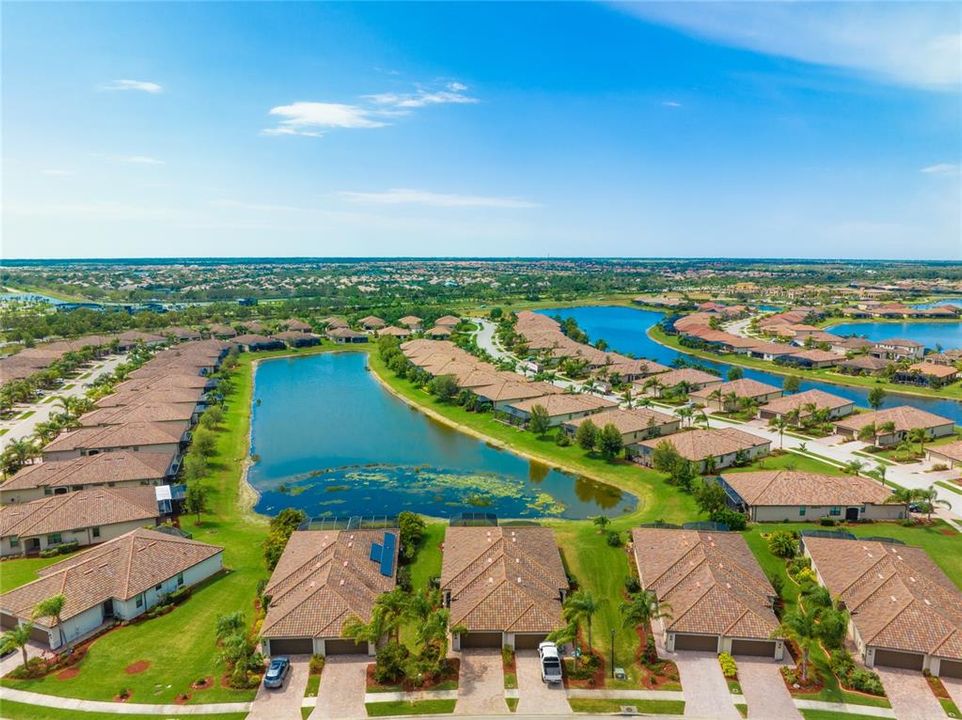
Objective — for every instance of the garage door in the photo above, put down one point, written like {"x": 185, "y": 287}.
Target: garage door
{"x": 481, "y": 640}
{"x": 950, "y": 668}
{"x": 528, "y": 642}
{"x": 344, "y": 647}
{"x": 764, "y": 648}
{"x": 37, "y": 633}
{"x": 894, "y": 658}
{"x": 696, "y": 642}
{"x": 292, "y": 646}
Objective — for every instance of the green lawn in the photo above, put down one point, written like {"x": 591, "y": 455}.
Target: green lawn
{"x": 652, "y": 707}
{"x": 427, "y": 562}
{"x": 10, "y": 710}
{"x": 19, "y": 571}
{"x": 180, "y": 645}
{"x": 829, "y": 715}
{"x": 403, "y": 707}
{"x": 512, "y": 704}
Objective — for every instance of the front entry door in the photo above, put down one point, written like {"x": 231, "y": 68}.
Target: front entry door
{"x": 851, "y": 513}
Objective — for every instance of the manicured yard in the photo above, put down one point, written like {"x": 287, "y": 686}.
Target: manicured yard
{"x": 403, "y": 707}
{"x": 829, "y": 715}
{"x": 20, "y": 571}
{"x": 427, "y": 562}
{"x": 19, "y": 711}
{"x": 653, "y": 707}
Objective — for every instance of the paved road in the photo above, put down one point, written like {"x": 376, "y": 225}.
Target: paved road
{"x": 18, "y": 429}
{"x": 486, "y": 340}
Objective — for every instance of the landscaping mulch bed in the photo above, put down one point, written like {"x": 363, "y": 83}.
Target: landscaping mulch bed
{"x": 122, "y": 698}
{"x": 204, "y": 684}
{"x": 70, "y": 672}
{"x": 662, "y": 673}
{"x": 430, "y": 681}
{"x": 938, "y": 689}
{"x": 814, "y": 686}
{"x": 182, "y": 699}
{"x": 596, "y": 680}
{"x": 137, "y": 667}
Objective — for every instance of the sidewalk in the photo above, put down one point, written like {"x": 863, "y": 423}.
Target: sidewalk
{"x": 65, "y": 703}
{"x": 845, "y": 708}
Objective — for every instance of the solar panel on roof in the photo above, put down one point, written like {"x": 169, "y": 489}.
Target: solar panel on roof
{"x": 376, "y": 551}
{"x": 387, "y": 554}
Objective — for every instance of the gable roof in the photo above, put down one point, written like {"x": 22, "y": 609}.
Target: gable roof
{"x": 121, "y": 466}
{"x": 698, "y": 444}
{"x": 711, "y": 580}
{"x": 822, "y": 400}
{"x": 791, "y": 487}
{"x": 134, "y": 434}
{"x": 626, "y": 421}
{"x": 564, "y": 403}
{"x": 323, "y": 579}
{"x": 506, "y": 579}
{"x": 120, "y": 568}
{"x": 743, "y": 387}
{"x": 905, "y": 418}
{"x": 898, "y": 598}
{"x": 81, "y": 509}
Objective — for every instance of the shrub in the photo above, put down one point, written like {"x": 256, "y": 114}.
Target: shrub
{"x": 562, "y": 439}
{"x": 404, "y": 578}
{"x": 805, "y": 576}
{"x": 728, "y": 665}
{"x": 651, "y": 652}
{"x": 797, "y": 564}
{"x": 865, "y": 681}
{"x": 632, "y": 585}
{"x": 317, "y": 664}
{"x": 507, "y": 656}
{"x": 411, "y": 531}
{"x": 827, "y": 522}
{"x": 389, "y": 665}
{"x": 841, "y": 663}
{"x": 613, "y": 537}
{"x": 783, "y": 544}
{"x": 179, "y": 595}
{"x": 732, "y": 518}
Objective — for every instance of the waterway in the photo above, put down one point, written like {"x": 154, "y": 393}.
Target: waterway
{"x": 625, "y": 330}
{"x": 931, "y": 334}
{"x": 330, "y": 440}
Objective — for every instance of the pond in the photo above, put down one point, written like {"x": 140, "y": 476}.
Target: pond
{"x": 625, "y": 330}
{"x": 945, "y": 334}
{"x": 333, "y": 442}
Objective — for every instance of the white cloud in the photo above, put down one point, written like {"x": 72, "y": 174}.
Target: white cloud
{"x": 141, "y": 85}
{"x": 313, "y": 118}
{"x": 671, "y": 104}
{"x": 406, "y": 196}
{"x": 941, "y": 169}
{"x": 915, "y": 44}
{"x": 57, "y": 172}
{"x": 139, "y": 160}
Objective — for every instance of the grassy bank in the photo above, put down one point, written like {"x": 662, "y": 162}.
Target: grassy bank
{"x": 19, "y": 711}
{"x": 952, "y": 392}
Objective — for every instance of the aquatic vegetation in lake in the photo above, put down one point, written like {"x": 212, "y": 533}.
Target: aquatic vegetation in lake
{"x": 547, "y": 505}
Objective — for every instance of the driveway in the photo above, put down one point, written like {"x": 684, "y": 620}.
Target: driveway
{"x": 909, "y": 694}
{"x": 534, "y": 696}
{"x": 283, "y": 703}
{"x": 481, "y": 686}
{"x": 706, "y": 692}
{"x": 954, "y": 686}
{"x": 12, "y": 662}
{"x": 341, "y": 692}
{"x": 765, "y": 691}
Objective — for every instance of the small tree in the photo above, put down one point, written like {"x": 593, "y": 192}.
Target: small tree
{"x": 801, "y": 627}
{"x": 212, "y": 417}
{"x": 229, "y": 624}
{"x": 204, "y": 443}
{"x": 610, "y": 442}
{"x": 641, "y": 608}
{"x": 51, "y": 608}
{"x": 735, "y": 373}
{"x": 195, "y": 499}
{"x": 792, "y": 384}
{"x": 710, "y": 497}
{"x": 665, "y": 458}
{"x": 876, "y": 396}
{"x": 539, "y": 421}
{"x": 601, "y": 521}
{"x": 587, "y": 435}
{"x": 443, "y": 387}
{"x": 16, "y": 639}
{"x": 580, "y": 607}
{"x": 411, "y": 527}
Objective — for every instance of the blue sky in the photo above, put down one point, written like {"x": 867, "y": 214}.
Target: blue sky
{"x": 499, "y": 129}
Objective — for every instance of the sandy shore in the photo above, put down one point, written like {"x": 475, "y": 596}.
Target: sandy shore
{"x": 247, "y": 496}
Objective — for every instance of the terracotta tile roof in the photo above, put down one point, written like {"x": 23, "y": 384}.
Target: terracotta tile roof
{"x": 372, "y": 321}
{"x": 121, "y": 466}
{"x": 503, "y": 578}
{"x": 343, "y": 332}
{"x": 223, "y": 330}
{"x": 627, "y": 421}
{"x": 135, "y": 396}
{"x": 898, "y": 343}
{"x": 80, "y": 509}
{"x": 564, "y": 403}
{"x": 165, "y": 382}
{"x": 864, "y": 362}
{"x": 711, "y": 580}
{"x": 688, "y": 375}
{"x": 120, "y": 568}
{"x": 816, "y": 355}
{"x": 252, "y": 339}
{"x": 897, "y": 596}
{"x": 396, "y": 331}
{"x": 743, "y": 388}
{"x": 447, "y": 320}
{"x": 135, "y": 434}
{"x": 790, "y": 487}
{"x": 297, "y": 326}
{"x": 822, "y": 400}
{"x": 144, "y": 412}
{"x": 697, "y": 445}
{"x": 323, "y": 579}
{"x": 949, "y": 450}
{"x": 905, "y": 418}
{"x": 410, "y": 320}
{"x": 933, "y": 370}
{"x": 439, "y": 331}
{"x": 516, "y": 390}
{"x": 637, "y": 367}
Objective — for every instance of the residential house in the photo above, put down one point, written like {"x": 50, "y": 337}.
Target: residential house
{"x": 448, "y": 321}
{"x": 504, "y": 585}
{"x": 634, "y": 425}
{"x": 394, "y": 332}
{"x": 897, "y": 349}
{"x": 726, "y": 396}
{"x": 411, "y": 322}
{"x": 905, "y": 613}
{"x": 633, "y": 370}
{"x": 346, "y": 336}
{"x": 720, "y": 598}
{"x": 297, "y": 326}
{"x": 560, "y": 407}
{"x": 256, "y": 343}
{"x": 84, "y": 516}
{"x": 372, "y": 323}
{"x": 299, "y": 338}
{"x": 794, "y": 496}
{"x": 927, "y": 373}
{"x": 222, "y": 331}
{"x": 439, "y": 332}
{"x": 801, "y": 402}
{"x": 863, "y": 365}
{"x": 115, "y": 469}
{"x": 175, "y": 416}
{"x": 686, "y": 377}
{"x": 115, "y": 581}
{"x": 711, "y": 449}
{"x": 949, "y": 454}
{"x": 323, "y": 579}
{"x": 503, "y": 394}
{"x": 904, "y": 419}
{"x": 813, "y": 359}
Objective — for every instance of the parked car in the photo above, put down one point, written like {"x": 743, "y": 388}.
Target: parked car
{"x": 550, "y": 662}
{"x": 277, "y": 673}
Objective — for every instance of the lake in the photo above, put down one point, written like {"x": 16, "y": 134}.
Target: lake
{"x": 625, "y": 329}
{"x": 930, "y": 334}
{"x": 333, "y": 442}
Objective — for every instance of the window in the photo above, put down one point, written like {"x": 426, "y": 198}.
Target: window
{"x": 180, "y": 579}
{"x": 54, "y": 539}
{"x": 14, "y": 541}
{"x": 158, "y": 586}
{"x": 47, "y": 491}
{"x": 140, "y": 601}
{"x": 96, "y": 532}
{"x": 801, "y": 511}
{"x": 835, "y": 511}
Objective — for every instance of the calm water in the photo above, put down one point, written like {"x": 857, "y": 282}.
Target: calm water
{"x": 930, "y": 334}
{"x": 332, "y": 441}
{"x": 626, "y": 329}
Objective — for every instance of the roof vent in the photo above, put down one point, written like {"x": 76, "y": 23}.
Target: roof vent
{"x": 912, "y": 579}
{"x": 345, "y": 563}
{"x": 519, "y": 580}
{"x": 341, "y": 583}
{"x": 893, "y": 598}
{"x": 926, "y": 601}
{"x": 490, "y": 579}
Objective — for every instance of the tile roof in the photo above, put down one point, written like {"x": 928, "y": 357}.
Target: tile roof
{"x": 950, "y": 450}
{"x": 790, "y": 487}
{"x": 822, "y": 400}
{"x": 697, "y": 445}
{"x": 133, "y": 396}
{"x": 80, "y": 509}
{"x": 135, "y": 434}
{"x": 450, "y": 320}
{"x": 516, "y": 390}
{"x": 627, "y": 421}
{"x": 688, "y": 375}
{"x": 905, "y": 418}
{"x": 323, "y": 579}
{"x": 503, "y": 578}
{"x": 743, "y": 387}
{"x": 120, "y": 568}
{"x": 143, "y": 412}
{"x": 564, "y": 403}
{"x": 897, "y": 596}
{"x": 933, "y": 369}
{"x": 637, "y": 367}
{"x": 121, "y": 466}
{"x": 711, "y": 580}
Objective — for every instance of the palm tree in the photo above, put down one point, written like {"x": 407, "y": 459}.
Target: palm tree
{"x": 868, "y": 433}
{"x": 716, "y": 396}
{"x": 685, "y": 413}
{"x": 642, "y": 608}
{"x": 931, "y": 498}
{"x": 581, "y": 607}
{"x": 779, "y": 423}
{"x": 729, "y": 400}
{"x": 51, "y": 608}
{"x": 17, "y": 638}
{"x": 854, "y": 467}
{"x": 918, "y": 435}
{"x": 626, "y": 396}
{"x": 879, "y": 472}
{"x": 17, "y": 453}
{"x": 701, "y": 417}
{"x": 801, "y": 627}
